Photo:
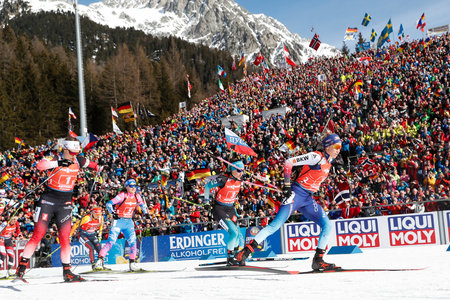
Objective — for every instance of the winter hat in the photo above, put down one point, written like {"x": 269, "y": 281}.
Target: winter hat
{"x": 331, "y": 139}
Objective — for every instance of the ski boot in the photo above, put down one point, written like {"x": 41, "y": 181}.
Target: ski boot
{"x": 319, "y": 264}
{"x": 231, "y": 257}
{"x": 99, "y": 265}
{"x": 22, "y": 267}
{"x": 133, "y": 266}
{"x": 69, "y": 276}
{"x": 242, "y": 256}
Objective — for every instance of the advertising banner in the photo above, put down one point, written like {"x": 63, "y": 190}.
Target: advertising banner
{"x": 147, "y": 253}
{"x": 363, "y": 233}
{"x": 80, "y": 254}
{"x": 405, "y": 230}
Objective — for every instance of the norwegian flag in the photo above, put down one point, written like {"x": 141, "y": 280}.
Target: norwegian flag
{"x": 315, "y": 42}
{"x": 288, "y": 57}
{"x": 259, "y": 59}
{"x": 344, "y": 192}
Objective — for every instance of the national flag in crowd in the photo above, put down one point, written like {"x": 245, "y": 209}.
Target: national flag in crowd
{"x": 203, "y": 144}
{"x": 71, "y": 114}
{"x": 275, "y": 204}
{"x": 288, "y": 57}
{"x": 200, "y": 124}
{"x": 366, "y": 19}
{"x": 235, "y": 143}
{"x": 384, "y": 35}
{"x": 198, "y": 173}
{"x": 230, "y": 89}
{"x": 242, "y": 60}
{"x": 116, "y": 128}
{"x": 344, "y": 192}
{"x": 358, "y": 84}
{"x": 259, "y": 59}
{"x": 72, "y": 134}
{"x": 260, "y": 161}
{"x": 421, "y": 23}
{"x": 189, "y": 87}
{"x": 164, "y": 178}
{"x": 285, "y": 132}
{"x": 114, "y": 113}
{"x": 373, "y": 35}
{"x": 130, "y": 117}
{"x": 5, "y": 176}
{"x": 331, "y": 126}
{"x": 364, "y": 161}
{"x": 233, "y": 65}
{"x": 315, "y": 42}
{"x": 18, "y": 141}
{"x": 220, "y": 85}
{"x": 89, "y": 141}
{"x": 221, "y": 72}
{"x": 351, "y": 30}
{"x": 400, "y": 32}
{"x": 125, "y": 108}
{"x": 365, "y": 60}
{"x": 289, "y": 145}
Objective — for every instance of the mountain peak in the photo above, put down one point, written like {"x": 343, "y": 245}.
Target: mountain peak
{"x": 221, "y": 24}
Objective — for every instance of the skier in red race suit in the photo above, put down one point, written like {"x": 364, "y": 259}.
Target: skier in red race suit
{"x": 56, "y": 202}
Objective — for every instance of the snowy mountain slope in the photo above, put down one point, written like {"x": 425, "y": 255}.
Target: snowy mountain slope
{"x": 221, "y": 24}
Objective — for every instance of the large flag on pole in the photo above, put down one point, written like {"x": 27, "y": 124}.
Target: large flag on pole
{"x": 421, "y": 23}
{"x": 114, "y": 113}
{"x": 116, "y": 128}
{"x": 315, "y": 42}
{"x": 366, "y": 19}
{"x": 188, "y": 86}
{"x": 71, "y": 114}
{"x": 235, "y": 143}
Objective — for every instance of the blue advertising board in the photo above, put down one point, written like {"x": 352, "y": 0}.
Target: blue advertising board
{"x": 80, "y": 254}
{"x": 147, "y": 253}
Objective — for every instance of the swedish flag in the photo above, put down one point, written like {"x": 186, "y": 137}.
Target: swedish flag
{"x": 384, "y": 35}
{"x": 373, "y": 35}
{"x": 366, "y": 19}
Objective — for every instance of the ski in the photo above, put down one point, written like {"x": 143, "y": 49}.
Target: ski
{"x": 17, "y": 279}
{"x": 247, "y": 268}
{"x": 128, "y": 271}
{"x": 256, "y": 260}
{"x": 339, "y": 270}
{"x": 7, "y": 278}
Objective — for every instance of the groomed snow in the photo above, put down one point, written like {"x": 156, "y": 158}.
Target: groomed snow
{"x": 431, "y": 283}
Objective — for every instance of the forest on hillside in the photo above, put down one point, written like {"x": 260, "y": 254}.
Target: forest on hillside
{"x": 39, "y": 80}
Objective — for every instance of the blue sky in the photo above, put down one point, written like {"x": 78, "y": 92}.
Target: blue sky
{"x": 331, "y": 18}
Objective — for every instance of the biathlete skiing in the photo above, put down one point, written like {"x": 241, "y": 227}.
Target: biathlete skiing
{"x": 56, "y": 203}
{"x": 90, "y": 232}
{"x": 125, "y": 204}
{"x": 316, "y": 166}
{"x": 224, "y": 211}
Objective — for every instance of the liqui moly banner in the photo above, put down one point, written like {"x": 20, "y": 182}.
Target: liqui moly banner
{"x": 406, "y": 230}
{"x": 363, "y": 233}
{"x": 301, "y": 236}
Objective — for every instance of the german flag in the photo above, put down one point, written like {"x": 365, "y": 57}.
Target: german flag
{"x": 203, "y": 144}
{"x": 129, "y": 117}
{"x": 125, "y": 108}
{"x": 198, "y": 173}
{"x": 290, "y": 145}
{"x": 18, "y": 141}
{"x": 200, "y": 124}
{"x": 260, "y": 161}
{"x": 437, "y": 94}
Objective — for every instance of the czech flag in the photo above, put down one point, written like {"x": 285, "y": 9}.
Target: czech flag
{"x": 237, "y": 144}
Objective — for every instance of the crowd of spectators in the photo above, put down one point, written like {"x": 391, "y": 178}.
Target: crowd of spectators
{"x": 394, "y": 127}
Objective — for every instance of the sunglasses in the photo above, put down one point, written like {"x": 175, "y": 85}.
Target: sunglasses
{"x": 132, "y": 186}
{"x": 239, "y": 171}
{"x": 337, "y": 146}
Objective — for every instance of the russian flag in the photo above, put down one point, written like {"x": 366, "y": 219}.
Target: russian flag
{"x": 237, "y": 144}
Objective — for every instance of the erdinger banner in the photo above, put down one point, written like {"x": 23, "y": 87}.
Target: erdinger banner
{"x": 192, "y": 245}
{"x": 301, "y": 236}
{"x": 363, "y": 233}
{"x": 411, "y": 230}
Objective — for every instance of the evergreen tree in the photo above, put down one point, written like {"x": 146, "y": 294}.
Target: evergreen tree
{"x": 345, "y": 49}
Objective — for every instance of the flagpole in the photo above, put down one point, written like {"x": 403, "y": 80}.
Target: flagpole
{"x": 83, "y": 121}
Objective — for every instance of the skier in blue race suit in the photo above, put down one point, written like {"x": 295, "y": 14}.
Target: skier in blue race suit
{"x": 316, "y": 166}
